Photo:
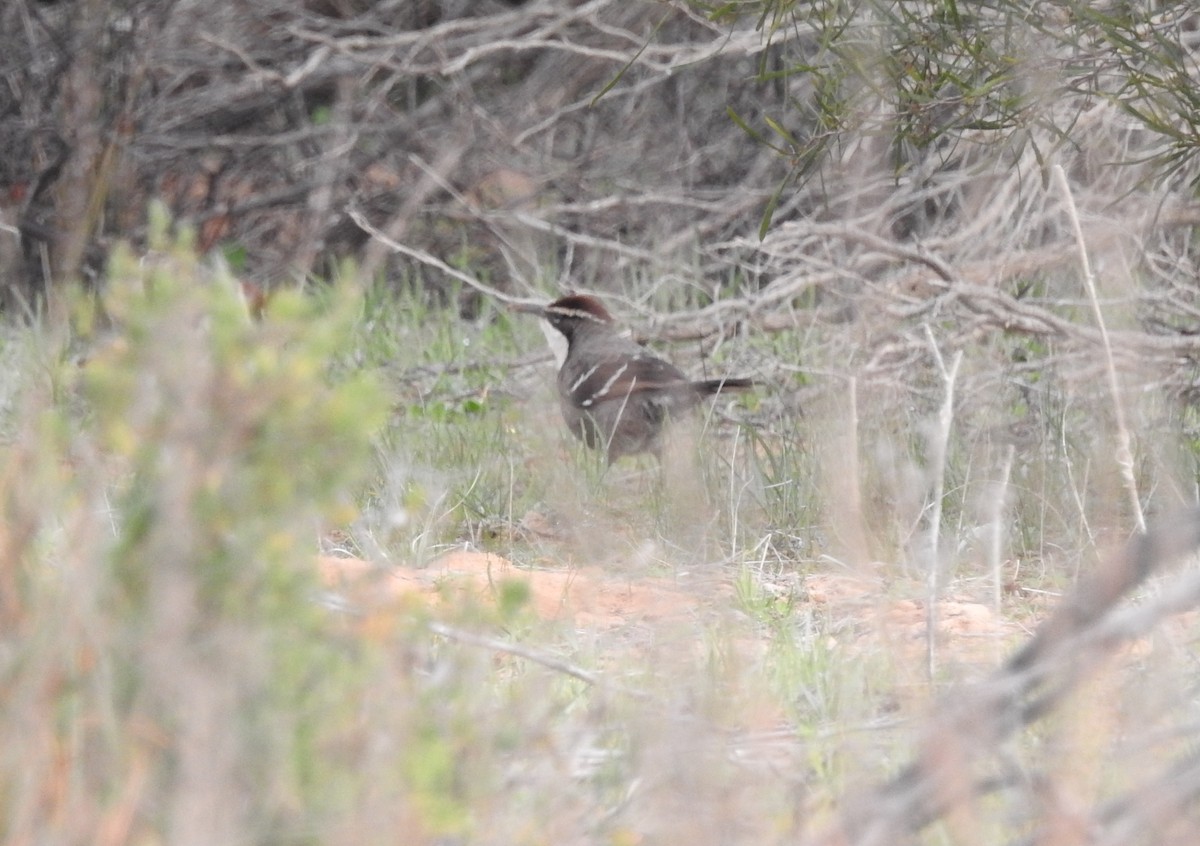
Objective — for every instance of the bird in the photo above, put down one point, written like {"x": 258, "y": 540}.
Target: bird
{"x": 615, "y": 395}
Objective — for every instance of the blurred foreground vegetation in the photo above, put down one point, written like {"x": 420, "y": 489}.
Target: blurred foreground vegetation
{"x": 173, "y": 669}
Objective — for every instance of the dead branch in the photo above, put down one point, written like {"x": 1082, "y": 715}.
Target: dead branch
{"x": 969, "y": 725}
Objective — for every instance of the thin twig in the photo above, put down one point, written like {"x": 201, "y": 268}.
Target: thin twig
{"x": 551, "y": 663}
{"x": 427, "y": 258}
{"x": 937, "y": 469}
{"x": 996, "y": 532}
{"x": 1124, "y": 451}
{"x": 397, "y": 227}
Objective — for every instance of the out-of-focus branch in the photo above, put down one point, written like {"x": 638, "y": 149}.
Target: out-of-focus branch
{"x": 1089, "y": 626}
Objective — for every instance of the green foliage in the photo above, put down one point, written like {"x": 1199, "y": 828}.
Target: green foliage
{"x": 929, "y": 76}
{"x": 161, "y": 625}
{"x": 431, "y": 766}
{"x": 189, "y": 465}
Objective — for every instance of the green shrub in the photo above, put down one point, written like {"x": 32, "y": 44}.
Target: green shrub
{"x": 166, "y": 662}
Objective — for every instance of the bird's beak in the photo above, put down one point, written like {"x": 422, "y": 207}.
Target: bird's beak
{"x": 528, "y": 308}
{"x": 557, "y": 341}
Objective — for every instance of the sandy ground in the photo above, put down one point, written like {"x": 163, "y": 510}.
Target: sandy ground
{"x": 593, "y": 598}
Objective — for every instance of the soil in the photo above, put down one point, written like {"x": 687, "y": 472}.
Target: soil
{"x": 857, "y": 609}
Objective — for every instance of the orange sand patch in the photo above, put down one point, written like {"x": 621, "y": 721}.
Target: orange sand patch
{"x": 905, "y": 617}
{"x": 587, "y": 596}
{"x": 967, "y": 631}
{"x": 591, "y": 597}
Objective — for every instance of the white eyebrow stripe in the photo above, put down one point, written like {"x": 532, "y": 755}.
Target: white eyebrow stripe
{"x": 571, "y": 312}
{"x": 578, "y": 382}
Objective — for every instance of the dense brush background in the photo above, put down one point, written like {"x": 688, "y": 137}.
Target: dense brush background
{"x": 255, "y": 258}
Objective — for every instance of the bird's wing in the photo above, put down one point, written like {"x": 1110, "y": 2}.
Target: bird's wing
{"x": 618, "y": 378}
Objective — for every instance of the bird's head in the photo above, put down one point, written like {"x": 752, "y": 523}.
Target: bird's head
{"x": 567, "y": 317}
{"x": 567, "y": 313}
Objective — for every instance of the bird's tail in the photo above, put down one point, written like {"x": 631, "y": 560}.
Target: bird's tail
{"x": 713, "y": 386}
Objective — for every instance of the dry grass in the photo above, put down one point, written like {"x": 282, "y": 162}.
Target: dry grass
{"x": 778, "y": 639}
{"x": 888, "y": 598}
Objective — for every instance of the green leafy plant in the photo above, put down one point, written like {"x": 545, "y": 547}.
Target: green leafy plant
{"x": 932, "y": 79}
{"x": 164, "y": 582}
